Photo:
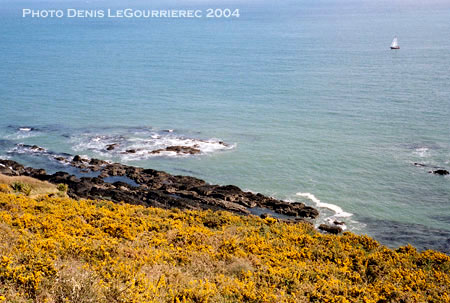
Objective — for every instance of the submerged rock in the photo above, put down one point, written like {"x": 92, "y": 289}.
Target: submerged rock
{"x": 37, "y": 148}
{"x": 34, "y": 148}
{"x": 441, "y": 172}
{"x": 178, "y": 150}
{"x": 111, "y": 146}
{"x": 77, "y": 159}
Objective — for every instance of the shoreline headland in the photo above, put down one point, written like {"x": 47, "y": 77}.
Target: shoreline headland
{"x": 180, "y": 239}
{"x": 134, "y": 185}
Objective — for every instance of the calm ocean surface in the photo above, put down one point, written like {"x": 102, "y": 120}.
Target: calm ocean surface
{"x": 312, "y": 103}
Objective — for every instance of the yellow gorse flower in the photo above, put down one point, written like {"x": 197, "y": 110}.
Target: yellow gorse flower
{"x": 63, "y": 250}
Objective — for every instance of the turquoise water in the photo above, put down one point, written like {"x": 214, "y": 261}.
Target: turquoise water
{"x": 308, "y": 99}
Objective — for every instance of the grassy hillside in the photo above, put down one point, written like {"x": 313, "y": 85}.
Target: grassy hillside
{"x": 62, "y": 250}
{"x": 29, "y": 186}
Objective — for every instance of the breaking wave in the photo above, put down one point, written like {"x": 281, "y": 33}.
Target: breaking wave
{"x": 22, "y": 132}
{"x": 20, "y": 149}
{"x": 143, "y": 144}
{"x": 338, "y": 212}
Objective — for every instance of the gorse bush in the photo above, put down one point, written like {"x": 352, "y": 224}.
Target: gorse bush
{"x": 62, "y": 187}
{"x": 5, "y": 188}
{"x": 62, "y": 250}
{"x": 21, "y": 187}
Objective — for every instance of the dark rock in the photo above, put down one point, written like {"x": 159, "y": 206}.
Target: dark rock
{"x": 97, "y": 162}
{"x": 160, "y": 189}
{"x": 115, "y": 169}
{"x": 34, "y": 172}
{"x": 11, "y": 168}
{"x": 264, "y": 215}
{"x": 336, "y": 222}
{"x": 130, "y": 151}
{"x": 77, "y": 159}
{"x": 308, "y": 212}
{"x": 37, "y": 148}
{"x": 205, "y": 190}
{"x": 419, "y": 164}
{"x": 330, "y": 229}
{"x": 178, "y": 150}
{"x": 32, "y": 147}
{"x": 441, "y": 172}
{"x": 96, "y": 165}
{"x": 111, "y": 146}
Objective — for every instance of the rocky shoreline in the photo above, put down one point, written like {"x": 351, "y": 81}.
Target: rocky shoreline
{"x": 122, "y": 183}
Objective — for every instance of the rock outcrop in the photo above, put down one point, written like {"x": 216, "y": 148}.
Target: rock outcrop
{"x": 330, "y": 229}
{"x": 441, "y": 172}
{"x": 178, "y": 150}
{"x": 157, "y": 188}
{"x": 110, "y": 147}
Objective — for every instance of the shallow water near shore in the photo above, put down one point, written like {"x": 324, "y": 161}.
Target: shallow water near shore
{"x": 300, "y": 102}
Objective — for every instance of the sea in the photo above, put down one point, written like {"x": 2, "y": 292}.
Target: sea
{"x": 300, "y": 100}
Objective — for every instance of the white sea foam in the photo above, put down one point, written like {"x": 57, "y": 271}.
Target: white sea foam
{"x": 5, "y": 157}
{"x": 332, "y": 220}
{"x": 139, "y": 146}
{"x": 85, "y": 157}
{"x": 422, "y": 152}
{"x": 22, "y": 133}
{"x": 338, "y": 212}
{"x": 39, "y": 151}
{"x": 26, "y": 149}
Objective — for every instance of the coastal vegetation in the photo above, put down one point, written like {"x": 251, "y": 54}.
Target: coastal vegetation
{"x": 29, "y": 186}
{"x": 57, "y": 249}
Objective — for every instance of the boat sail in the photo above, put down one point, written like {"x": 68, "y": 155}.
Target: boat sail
{"x": 394, "y": 44}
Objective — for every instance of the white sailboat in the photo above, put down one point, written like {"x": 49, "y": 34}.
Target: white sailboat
{"x": 394, "y": 44}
